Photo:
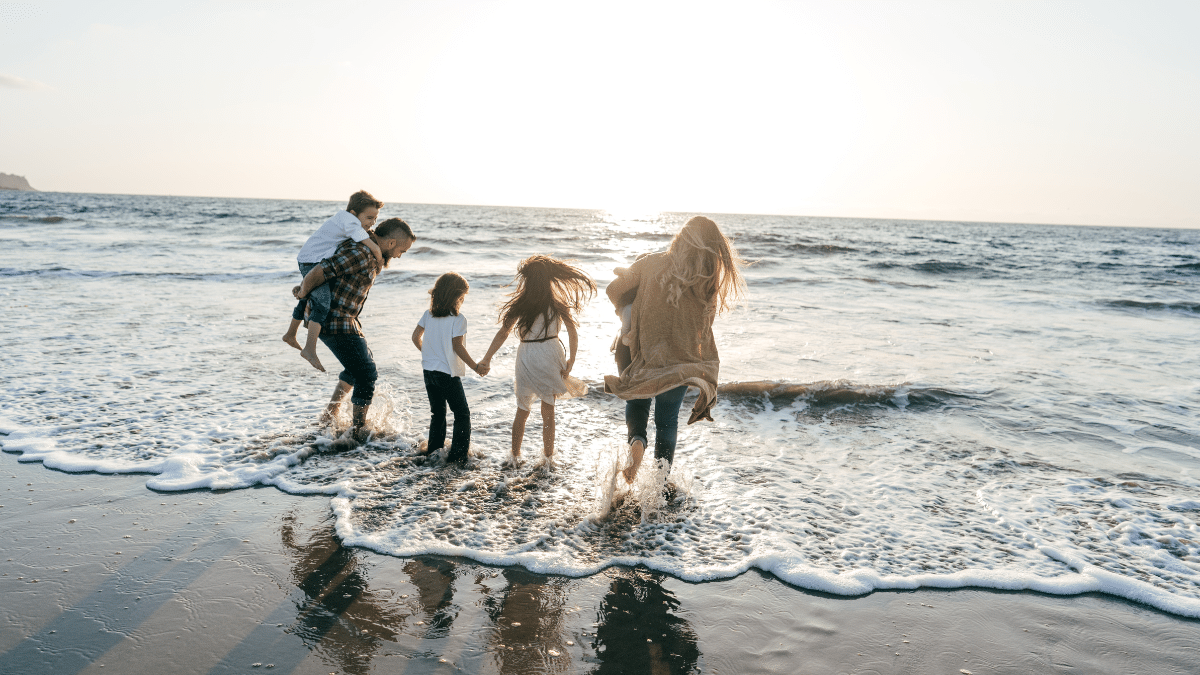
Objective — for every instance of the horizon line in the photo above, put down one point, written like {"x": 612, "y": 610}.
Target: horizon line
{"x": 646, "y": 211}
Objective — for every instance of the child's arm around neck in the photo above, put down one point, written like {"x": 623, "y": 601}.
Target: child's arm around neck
{"x": 371, "y": 244}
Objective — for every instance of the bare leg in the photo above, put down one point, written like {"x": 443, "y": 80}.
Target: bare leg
{"x": 340, "y": 392}
{"x": 636, "y": 449}
{"x": 290, "y": 336}
{"x": 518, "y": 432}
{"x": 547, "y": 429}
{"x": 310, "y": 346}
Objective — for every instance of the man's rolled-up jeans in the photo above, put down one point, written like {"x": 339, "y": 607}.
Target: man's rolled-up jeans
{"x": 320, "y": 297}
{"x": 359, "y": 366}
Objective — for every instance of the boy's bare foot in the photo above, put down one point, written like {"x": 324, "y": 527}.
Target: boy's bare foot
{"x": 311, "y": 357}
{"x": 290, "y": 338}
{"x": 636, "y": 449}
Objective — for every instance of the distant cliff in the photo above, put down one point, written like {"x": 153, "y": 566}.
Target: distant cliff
{"x": 11, "y": 182}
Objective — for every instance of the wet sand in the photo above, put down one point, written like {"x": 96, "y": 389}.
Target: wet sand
{"x": 101, "y": 575}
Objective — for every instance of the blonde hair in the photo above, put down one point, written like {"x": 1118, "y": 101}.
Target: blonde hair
{"x": 701, "y": 259}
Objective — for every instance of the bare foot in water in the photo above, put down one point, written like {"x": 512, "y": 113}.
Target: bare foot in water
{"x": 311, "y": 357}
{"x": 636, "y": 449}
{"x": 290, "y": 338}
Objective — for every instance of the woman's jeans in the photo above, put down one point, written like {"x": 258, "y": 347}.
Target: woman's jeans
{"x": 445, "y": 389}
{"x": 320, "y": 297}
{"x": 359, "y": 367}
{"x": 666, "y": 421}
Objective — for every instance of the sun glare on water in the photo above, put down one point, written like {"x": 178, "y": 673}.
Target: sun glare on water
{"x": 633, "y": 219}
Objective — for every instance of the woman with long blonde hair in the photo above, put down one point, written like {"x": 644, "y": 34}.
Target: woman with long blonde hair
{"x": 674, "y": 298}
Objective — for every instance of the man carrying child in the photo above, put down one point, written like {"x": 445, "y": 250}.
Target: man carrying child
{"x": 355, "y": 224}
{"x": 349, "y": 273}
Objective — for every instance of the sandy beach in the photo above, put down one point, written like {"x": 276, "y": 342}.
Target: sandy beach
{"x": 102, "y": 575}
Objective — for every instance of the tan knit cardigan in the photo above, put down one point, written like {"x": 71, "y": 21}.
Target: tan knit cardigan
{"x": 671, "y": 344}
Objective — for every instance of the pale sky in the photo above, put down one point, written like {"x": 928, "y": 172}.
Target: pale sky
{"x": 1006, "y": 110}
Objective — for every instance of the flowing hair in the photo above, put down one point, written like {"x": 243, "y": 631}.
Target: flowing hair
{"x": 447, "y": 293}
{"x": 701, "y": 259}
{"x": 546, "y": 287}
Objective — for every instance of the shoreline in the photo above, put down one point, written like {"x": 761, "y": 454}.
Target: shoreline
{"x": 216, "y": 581}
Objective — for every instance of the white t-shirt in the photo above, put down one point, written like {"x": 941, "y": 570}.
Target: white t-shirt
{"x": 437, "y": 345}
{"x": 324, "y": 242}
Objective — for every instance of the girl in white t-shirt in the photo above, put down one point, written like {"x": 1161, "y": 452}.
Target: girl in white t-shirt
{"x": 441, "y": 337}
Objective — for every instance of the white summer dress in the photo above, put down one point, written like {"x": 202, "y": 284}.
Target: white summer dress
{"x": 541, "y": 359}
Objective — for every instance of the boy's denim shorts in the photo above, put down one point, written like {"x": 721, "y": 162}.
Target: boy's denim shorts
{"x": 320, "y": 297}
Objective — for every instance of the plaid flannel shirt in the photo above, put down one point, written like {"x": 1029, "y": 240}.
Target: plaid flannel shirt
{"x": 350, "y": 271}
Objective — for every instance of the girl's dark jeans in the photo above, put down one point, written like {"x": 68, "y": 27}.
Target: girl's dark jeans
{"x": 320, "y": 297}
{"x": 445, "y": 389}
{"x": 666, "y": 421}
{"x": 360, "y": 372}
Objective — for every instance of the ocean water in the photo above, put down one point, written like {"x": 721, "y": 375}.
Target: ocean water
{"x": 905, "y": 404}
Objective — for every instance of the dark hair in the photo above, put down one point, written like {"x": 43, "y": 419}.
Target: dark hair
{"x": 387, "y": 229}
{"x": 549, "y": 287}
{"x": 447, "y": 293}
{"x": 362, "y": 200}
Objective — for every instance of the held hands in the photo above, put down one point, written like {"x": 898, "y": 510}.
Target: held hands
{"x": 483, "y": 368}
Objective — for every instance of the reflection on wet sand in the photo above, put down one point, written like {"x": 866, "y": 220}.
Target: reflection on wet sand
{"x": 434, "y": 580}
{"x": 638, "y": 630}
{"x": 338, "y": 616}
{"x": 529, "y": 624}
{"x": 530, "y": 634}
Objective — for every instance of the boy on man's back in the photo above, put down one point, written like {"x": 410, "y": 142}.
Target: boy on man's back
{"x": 353, "y": 223}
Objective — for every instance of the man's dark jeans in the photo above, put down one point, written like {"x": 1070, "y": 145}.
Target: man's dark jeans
{"x": 359, "y": 368}
{"x": 445, "y": 389}
{"x": 666, "y": 421}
